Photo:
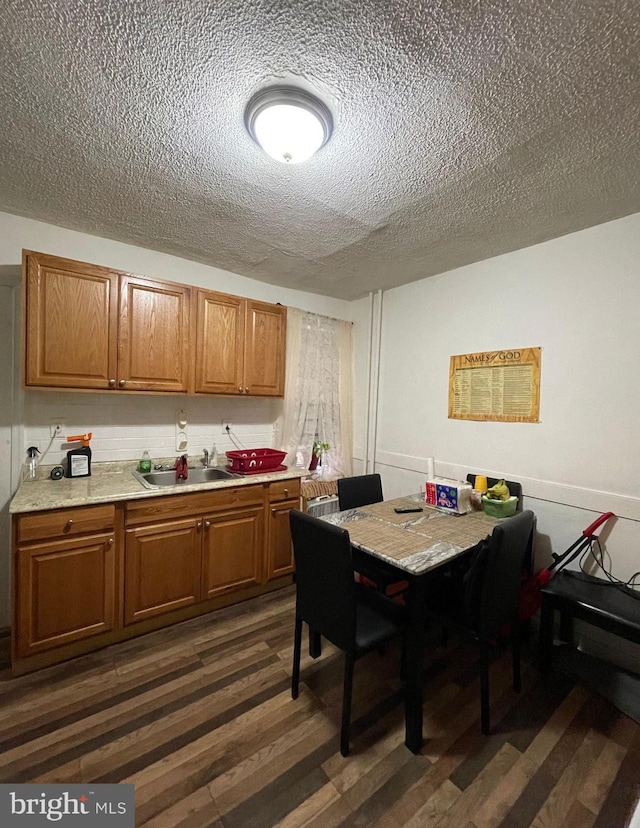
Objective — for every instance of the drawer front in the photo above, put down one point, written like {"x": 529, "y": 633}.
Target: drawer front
{"x": 66, "y": 522}
{"x": 174, "y": 506}
{"x": 284, "y": 490}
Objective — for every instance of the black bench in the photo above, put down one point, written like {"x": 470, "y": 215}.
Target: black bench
{"x": 615, "y": 609}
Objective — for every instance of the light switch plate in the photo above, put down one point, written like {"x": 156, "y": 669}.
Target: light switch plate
{"x": 182, "y": 437}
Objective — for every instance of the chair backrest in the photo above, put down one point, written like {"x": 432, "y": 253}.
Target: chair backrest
{"x": 359, "y": 491}
{"x": 325, "y": 586}
{"x": 514, "y": 488}
{"x": 492, "y": 591}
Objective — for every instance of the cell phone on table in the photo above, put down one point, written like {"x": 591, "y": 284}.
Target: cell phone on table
{"x": 402, "y": 510}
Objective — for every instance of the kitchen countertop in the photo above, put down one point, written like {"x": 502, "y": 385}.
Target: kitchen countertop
{"x": 115, "y": 481}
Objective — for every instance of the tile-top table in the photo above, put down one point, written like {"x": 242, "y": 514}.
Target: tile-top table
{"x": 412, "y": 545}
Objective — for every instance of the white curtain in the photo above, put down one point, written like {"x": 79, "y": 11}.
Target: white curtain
{"x": 317, "y": 393}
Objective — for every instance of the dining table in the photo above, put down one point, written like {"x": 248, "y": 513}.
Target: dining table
{"x": 412, "y": 545}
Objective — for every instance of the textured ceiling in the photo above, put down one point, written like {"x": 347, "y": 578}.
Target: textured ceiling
{"x": 464, "y": 129}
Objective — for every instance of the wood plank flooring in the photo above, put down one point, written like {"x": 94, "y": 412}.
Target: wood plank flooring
{"x": 200, "y": 718}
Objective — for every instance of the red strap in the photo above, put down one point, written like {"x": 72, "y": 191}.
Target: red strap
{"x": 597, "y": 522}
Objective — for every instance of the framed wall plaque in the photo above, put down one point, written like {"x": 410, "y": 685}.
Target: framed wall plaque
{"x": 502, "y": 386}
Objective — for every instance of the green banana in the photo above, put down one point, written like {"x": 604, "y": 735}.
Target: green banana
{"x": 499, "y": 492}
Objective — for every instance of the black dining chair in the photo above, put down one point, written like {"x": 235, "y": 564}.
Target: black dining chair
{"x": 515, "y": 489}
{"x": 362, "y": 490}
{"x": 354, "y": 618}
{"x": 485, "y": 599}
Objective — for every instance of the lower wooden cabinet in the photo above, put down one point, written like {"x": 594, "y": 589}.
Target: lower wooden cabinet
{"x": 280, "y": 549}
{"x": 216, "y": 548}
{"x": 284, "y": 495}
{"x": 66, "y": 591}
{"x": 162, "y": 568}
{"x": 232, "y": 553}
{"x": 111, "y": 571}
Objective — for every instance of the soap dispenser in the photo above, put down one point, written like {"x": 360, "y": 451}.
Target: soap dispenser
{"x": 31, "y": 463}
{"x": 213, "y": 459}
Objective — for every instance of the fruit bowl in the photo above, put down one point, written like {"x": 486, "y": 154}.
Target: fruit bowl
{"x": 499, "y": 508}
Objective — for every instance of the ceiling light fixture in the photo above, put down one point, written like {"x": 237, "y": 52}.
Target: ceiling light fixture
{"x": 288, "y": 123}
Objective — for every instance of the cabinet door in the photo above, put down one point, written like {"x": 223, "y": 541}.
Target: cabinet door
{"x": 232, "y": 551}
{"x": 70, "y": 323}
{"x": 280, "y": 549}
{"x": 66, "y": 592}
{"x": 264, "y": 359}
{"x": 154, "y": 336}
{"x": 219, "y": 343}
{"x": 162, "y": 568}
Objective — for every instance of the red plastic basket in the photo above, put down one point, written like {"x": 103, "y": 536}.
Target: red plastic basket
{"x": 246, "y": 461}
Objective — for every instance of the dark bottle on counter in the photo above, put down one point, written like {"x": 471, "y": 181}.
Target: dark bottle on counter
{"x": 79, "y": 460}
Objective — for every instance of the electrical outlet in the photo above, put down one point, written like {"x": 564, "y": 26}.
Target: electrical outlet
{"x": 57, "y": 427}
{"x": 226, "y": 425}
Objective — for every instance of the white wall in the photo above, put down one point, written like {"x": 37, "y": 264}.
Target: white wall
{"x": 10, "y": 432}
{"x": 578, "y": 298}
{"x": 17, "y": 233}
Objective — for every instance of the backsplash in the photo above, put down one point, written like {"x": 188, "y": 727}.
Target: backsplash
{"x": 124, "y": 425}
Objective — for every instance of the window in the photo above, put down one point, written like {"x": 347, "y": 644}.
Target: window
{"x": 317, "y": 402}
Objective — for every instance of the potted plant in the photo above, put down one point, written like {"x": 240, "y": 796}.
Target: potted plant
{"x": 316, "y": 452}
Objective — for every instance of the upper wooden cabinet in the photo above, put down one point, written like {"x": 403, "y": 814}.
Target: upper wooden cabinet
{"x": 91, "y": 327}
{"x": 71, "y": 323}
{"x": 240, "y": 345}
{"x": 153, "y": 335}
{"x": 264, "y": 350}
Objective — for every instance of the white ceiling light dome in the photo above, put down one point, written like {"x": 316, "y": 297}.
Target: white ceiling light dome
{"x": 288, "y": 123}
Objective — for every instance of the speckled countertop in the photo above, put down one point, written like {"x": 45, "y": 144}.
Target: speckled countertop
{"x": 115, "y": 481}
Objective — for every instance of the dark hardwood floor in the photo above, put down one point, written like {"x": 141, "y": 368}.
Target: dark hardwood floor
{"x": 200, "y": 718}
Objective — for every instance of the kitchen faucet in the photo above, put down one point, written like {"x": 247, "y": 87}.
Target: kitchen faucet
{"x": 205, "y": 458}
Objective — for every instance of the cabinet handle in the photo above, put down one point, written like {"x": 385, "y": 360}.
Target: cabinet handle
{"x": 112, "y": 383}
{"x": 274, "y": 511}
{"x": 69, "y": 524}
{"x": 121, "y": 384}
{"x": 199, "y": 525}
{"x": 286, "y": 491}
{"x": 207, "y": 524}
{"x": 246, "y": 389}
{"x": 110, "y": 542}
{"x": 240, "y": 389}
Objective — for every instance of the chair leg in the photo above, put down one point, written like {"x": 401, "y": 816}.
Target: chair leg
{"x": 546, "y": 634}
{"x": 315, "y": 644}
{"x": 516, "y": 645}
{"x": 297, "y": 646}
{"x": 347, "y": 692}
{"x": 484, "y": 687}
{"x": 444, "y": 635}
{"x": 566, "y": 626}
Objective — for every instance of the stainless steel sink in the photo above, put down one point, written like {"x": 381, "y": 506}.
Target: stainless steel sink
{"x": 156, "y": 479}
